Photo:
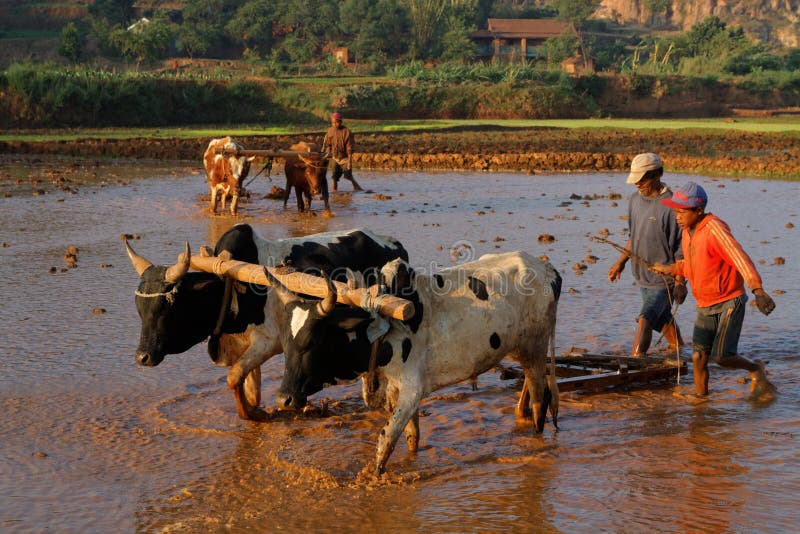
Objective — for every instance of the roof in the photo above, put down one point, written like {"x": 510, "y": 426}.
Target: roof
{"x": 523, "y": 28}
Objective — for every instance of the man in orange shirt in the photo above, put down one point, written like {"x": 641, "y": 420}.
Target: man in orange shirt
{"x": 717, "y": 269}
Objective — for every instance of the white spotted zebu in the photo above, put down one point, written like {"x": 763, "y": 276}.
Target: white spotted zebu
{"x": 225, "y": 172}
{"x": 466, "y": 320}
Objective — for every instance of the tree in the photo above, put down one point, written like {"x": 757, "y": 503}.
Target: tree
{"x": 425, "y": 17}
{"x": 576, "y": 12}
{"x": 656, "y": 7}
{"x": 71, "y": 46}
{"x": 561, "y": 47}
{"x": 202, "y": 27}
{"x": 374, "y": 29}
{"x": 251, "y": 25}
{"x": 114, "y": 11}
{"x": 457, "y": 43}
{"x": 149, "y": 43}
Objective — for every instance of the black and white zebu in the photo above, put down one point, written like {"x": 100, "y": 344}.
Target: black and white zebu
{"x": 467, "y": 319}
{"x": 180, "y": 309}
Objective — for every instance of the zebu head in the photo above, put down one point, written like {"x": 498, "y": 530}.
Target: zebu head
{"x": 175, "y": 306}
{"x": 316, "y": 345}
{"x": 315, "y": 166}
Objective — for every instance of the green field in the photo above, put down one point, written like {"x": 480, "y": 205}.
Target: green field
{"x": 775, "y": 125}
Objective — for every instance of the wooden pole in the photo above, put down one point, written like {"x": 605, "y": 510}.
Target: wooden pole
{"x": 242, "y": 152}
{"x": 307, "y": 284}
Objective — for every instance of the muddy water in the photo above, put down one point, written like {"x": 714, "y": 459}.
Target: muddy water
{"x": 93, "y": 442}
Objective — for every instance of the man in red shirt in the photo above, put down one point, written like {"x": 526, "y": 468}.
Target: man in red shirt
{"x": 717, "y": 269}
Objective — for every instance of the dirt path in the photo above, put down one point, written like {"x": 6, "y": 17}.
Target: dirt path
{"x": 519, "y": 149}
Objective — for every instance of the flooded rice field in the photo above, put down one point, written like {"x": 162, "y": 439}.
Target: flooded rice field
{"x": 92, "y": 442}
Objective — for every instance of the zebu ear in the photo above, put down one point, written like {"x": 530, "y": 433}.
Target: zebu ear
{"x": 176, "y": 272}
{"x": 139, "y": 263}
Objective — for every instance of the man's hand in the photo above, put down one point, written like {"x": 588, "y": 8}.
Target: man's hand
{"x": 660, "y": 268}
{"x": 615, "y": 271}
{"x": 764, "y": 302}
{"x": 679, "y": 293}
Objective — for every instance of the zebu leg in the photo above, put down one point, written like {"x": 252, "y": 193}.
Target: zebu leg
{"x": 213, "y": 199}
{"x": 252, "y": 387}
{"x": 244, "y": 377}
{"x": 536, "y": 384}
{"x": 235, "y": 202}
{"x": 523, "y": 408}
{"x": 412, "y": 432}
{"x": 407, "y": 407}
{"x": 412, "y": 427}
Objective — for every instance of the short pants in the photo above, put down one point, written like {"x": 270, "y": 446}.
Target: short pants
{"x": 655, "y": 307}
{"x": 717, "y": 328}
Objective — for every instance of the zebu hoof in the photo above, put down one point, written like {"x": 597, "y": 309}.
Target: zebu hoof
{"x": 255, "y": 414}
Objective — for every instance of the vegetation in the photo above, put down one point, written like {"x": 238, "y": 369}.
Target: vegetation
{"x": 408, "y": 58}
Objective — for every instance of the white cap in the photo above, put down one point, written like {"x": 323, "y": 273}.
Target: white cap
{"x": 641, "y": 164}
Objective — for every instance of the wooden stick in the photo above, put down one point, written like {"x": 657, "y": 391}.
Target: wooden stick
{"x": 242, "y": 152}
{"x": 307, "y": 284}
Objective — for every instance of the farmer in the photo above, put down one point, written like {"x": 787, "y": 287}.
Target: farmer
{"x": 655, "y": 238}
{"x": 717, "y": 269}
{"x": 339, "y": 141}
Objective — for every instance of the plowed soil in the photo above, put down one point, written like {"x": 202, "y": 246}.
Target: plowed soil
{"x": 757, "y": 154}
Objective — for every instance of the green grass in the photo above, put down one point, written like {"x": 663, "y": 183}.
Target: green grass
{"x": 336, "y": 80}
{"x": 744, "y": 124}
{"x": 776, "y": 125}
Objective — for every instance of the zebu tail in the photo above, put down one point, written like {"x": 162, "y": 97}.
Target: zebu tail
{"x": 552, "y": 380}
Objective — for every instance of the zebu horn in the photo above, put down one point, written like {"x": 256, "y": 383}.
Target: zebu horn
{"x": 176, "y": 272}
{"x": 325, "y": 306}
{"x": 139, "y": 263}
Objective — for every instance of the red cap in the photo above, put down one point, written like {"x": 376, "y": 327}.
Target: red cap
{"x": 336, "y": 116}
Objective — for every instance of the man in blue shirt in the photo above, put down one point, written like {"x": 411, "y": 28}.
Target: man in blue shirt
{"x": 655, "y": 237}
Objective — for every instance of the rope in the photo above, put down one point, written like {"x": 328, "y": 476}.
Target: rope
{"x": 170, "y": 295}
{"x": 268, "y": 167}
{"x": 664, "y": 278}
{"x": 373, "y": 304}
{"x": 310, "y": 163}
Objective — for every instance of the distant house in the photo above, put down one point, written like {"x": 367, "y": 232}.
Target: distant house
{"x": 342, "y": 56}
{"x": 577, "y": 66}
{"x": 516, "y": 39}
{"x": 139, "y": 25}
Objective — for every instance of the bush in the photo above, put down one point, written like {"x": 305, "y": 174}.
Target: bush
{"x": 45, "y": 96}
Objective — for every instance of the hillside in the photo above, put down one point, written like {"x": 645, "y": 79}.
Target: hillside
{"x": 769, "y": 20}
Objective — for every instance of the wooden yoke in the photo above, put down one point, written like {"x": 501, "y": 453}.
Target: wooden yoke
{"x": 307, "y": 284}
{"x": 243, "y": 152}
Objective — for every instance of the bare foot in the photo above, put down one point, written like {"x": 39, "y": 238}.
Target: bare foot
{"x": 760, "y": 386}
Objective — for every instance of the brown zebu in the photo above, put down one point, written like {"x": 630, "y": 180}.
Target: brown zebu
{"x": 307, "y": 174}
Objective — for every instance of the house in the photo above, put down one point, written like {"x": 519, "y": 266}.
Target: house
{"x": 342, "y": 56}
{"x": 139, "y": 25}
{"x": 577, "y": 66}
{"x": 517, "y": 39}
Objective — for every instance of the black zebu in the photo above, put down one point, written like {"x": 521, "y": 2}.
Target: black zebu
{"x": 180, "y": 309}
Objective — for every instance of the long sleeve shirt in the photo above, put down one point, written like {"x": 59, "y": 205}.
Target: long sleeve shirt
{"x": 715, "y": 264}
{"x": 340, "y": 141}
